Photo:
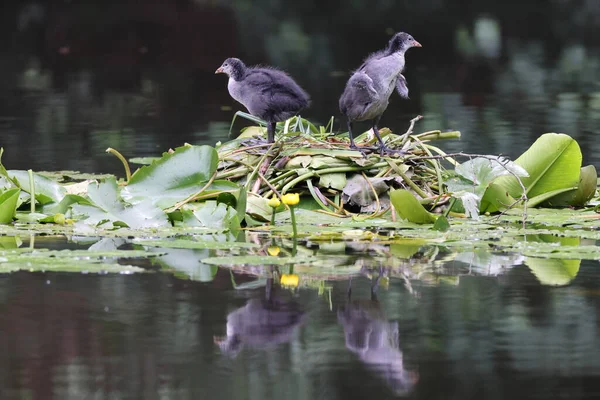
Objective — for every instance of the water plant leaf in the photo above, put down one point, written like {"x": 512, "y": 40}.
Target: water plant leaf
{"x": 359, "y": 191}
{"x": 441, "y": 224}
{"x": 409, "y": 208}
{"x": 172, "y": 178}
{"x": 33, "y": 217}
{"x": 495, "y": 198}
{"x": 217, "y": 216}
{"x": 8, "y": 205}
{"x": 541, "y": 198}
{"x": 476, "y": 178}
{"x": 242, "y": 202}
{"x": 258, "y": 208}
{"x": 553, "y": 162}
{"x": 194, "y": 243}
{"x": 108, "y": 206}
{"x": 335, "y": 181}
{"x": 46, "y": 190}
{"x": 143, "y": 160}
{"x": 65, "y": 204}
{"x": 482, "y": 171}
{"x": 579, "y": 196}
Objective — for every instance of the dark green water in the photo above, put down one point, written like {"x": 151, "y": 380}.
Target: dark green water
{"x": 152, "y": 336}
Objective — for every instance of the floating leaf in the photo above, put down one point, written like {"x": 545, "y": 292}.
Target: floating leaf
{"x": 46, "y": 190}
{"x": 201, "y": 244}
{"x": 581, "y": 195}
{"x": 441, "y": 224}
{"x": 553, "y": 163}
{"x": 409, "y": 208}
{"x": 8, "y": 205}
{"x": 108, "y": 206}
{"x": 173, "y": 178}
{"x": 217, "y": 216}
{"x": 258, "y": 208}
{"x": 334, "y": 181}
{"x": 475, "y": 187}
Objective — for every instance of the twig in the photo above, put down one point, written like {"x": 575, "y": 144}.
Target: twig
{"x": 264, "y": 166}
{"x": 409, "y": 131}
{"x": 273, "y": 188}
{"x": 406, "y": 179}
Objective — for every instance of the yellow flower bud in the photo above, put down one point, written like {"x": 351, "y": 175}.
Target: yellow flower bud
{"x": 59, "y": 219}
{"x": 274, "y": 202}
{"x": 273, "y": 251}
{"x": 290, "y": 280}
{"x": 291, "y": 199}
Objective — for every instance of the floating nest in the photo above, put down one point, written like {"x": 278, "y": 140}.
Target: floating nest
{"x": 329, "y": 176}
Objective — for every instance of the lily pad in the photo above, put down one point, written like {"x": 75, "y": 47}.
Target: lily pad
{"x": 46, "y": 190}
{"x": 8, "y": 205}
{"x": 173, "y": 178}
{"x": 553, "y": 163}
{"x": 194, "y": 243}
{"x": 409, "y": 208}
{"x": 108, "y": 206}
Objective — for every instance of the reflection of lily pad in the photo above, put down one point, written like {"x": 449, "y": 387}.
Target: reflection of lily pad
{"x": 553, "y": 272}
{"x": 194, "y": 244}
{"x": 185, "y": 263}
{"x": 255, "y": 260}
{"x": 67, "y": 261}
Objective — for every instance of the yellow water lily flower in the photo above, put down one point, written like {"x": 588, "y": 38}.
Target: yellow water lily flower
{"x": 273, "y": 250}
{"x": 274, "y": 202}
{"x": 291, "y": 199}
{"x": 290, "y": 280}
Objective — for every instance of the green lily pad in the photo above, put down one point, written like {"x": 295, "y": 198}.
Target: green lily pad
{"x": 553, "y": 163}
{"x": 8, "y": 205}
{"x": 173, "y": 178}
{"x": 108, "y": 207}
{"x": 46, "y": 190}
{"x": 409, "y": 208}
{"x": 194, "y": 243}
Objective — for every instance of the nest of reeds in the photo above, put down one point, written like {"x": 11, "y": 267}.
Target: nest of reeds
{"x": 319, "y": 165}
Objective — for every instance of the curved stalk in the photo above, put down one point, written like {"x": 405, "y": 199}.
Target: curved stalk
{"x": 123, "y": 160}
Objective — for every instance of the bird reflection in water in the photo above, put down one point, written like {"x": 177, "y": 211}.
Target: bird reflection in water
{"x": 374, "y": 340}
{"x": 263, "y": 322}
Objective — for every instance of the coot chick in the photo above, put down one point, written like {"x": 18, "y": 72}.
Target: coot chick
{"x": 267, "y": 93}
{"x": 368, "y": 90}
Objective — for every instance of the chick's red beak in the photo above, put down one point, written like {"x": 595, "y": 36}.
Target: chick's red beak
{"x": 219, "y": 70}
{"x": 416, "y": 44}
